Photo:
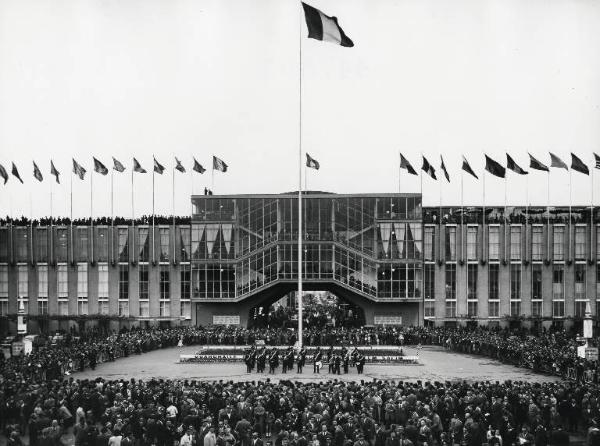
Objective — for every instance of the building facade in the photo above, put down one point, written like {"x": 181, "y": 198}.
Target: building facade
{"x": 400, "y": 263}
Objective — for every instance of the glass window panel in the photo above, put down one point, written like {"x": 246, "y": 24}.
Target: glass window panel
{"x": 450, "y": 281}
{"x": 4, "y": 244}
{"x": 22, "y": 281}
{"x": 494, "y": 281}
{"x": 558, "y": 243}
{"x": 82, "y": 280}
{"x": 3, "y": 281}
{"x": 41, "y": 245}
{"x": 143, "y": 281}
{"x": 536, "y": 281}
{"x": 123, "y": 245}
{"x": 62, "y": 281}
{"x": 429, "y": 243}
{"x": 451, "y": 243}
{"x": 515, "y": 243}
{"x": 22, "y": 243}
{"x": 42, "y": 281}
{"x": 143, "y": 245}
{"x": 62, "y": 245}
{"x": 184, "y": 243}
{"x": 494, "y": 243}
{"x": 472, "y": 243}
{"x": 537, "y": 243}
{"x": 515, "y": 281}
{"x": 101, "y": 246}
{"x": 82, "y": 240}
{"x": 580, "y": 232}
{"x": 103, "y": 281}
{"x": 164, "y": 244}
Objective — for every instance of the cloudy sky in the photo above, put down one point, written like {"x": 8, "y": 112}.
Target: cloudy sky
{"x": 83, "y": 78}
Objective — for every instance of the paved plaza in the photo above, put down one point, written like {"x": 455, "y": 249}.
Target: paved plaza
{"x": 435, "y": 365}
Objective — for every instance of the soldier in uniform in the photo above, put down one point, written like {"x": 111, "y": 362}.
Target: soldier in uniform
{"x": 301, "y": 359}
{"x": 346, "y": 359}
{"x": 317, "y": 360}
{"x": 261, "y": 360}
{"x": 360, "y": 363}
{"x": 288, "y": 360}
{"x": 273, "y": 360}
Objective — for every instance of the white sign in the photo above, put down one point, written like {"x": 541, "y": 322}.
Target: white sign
{"x": 387, "y": 320}
{"x": 226, "y": 320}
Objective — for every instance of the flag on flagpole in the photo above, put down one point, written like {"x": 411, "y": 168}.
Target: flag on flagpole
{"x": 555, "y": 161}
{"x": 179, "y": 166}
{"x": 405, "y": 164}
{"x": 443, "y": 167}
{"x": 158, "y": 167}
{"x": 324, "y": 28}
{"x": 54, "y": 172}
{"x": 99, "y": 167}
{"x": 37, "y": 173}
{"x": 219, "y": 164}
{"x": 494, "y": 167}
{"x": 15, "y": 172}
{"x": 537, "y": 165}
{"x": 312, "y": 163}
{"x": 3, "y": 174}
{"x": 137, "y": 167}
{"x": 117, "y": 165}
{"x": 428, "y": 168}
{"x": 467, "y": 168}
{"x": 597, "y": 159}
{"x": 78, "y": 170}
{"x": 578, "y": 165}
{"x": 198, "y": 167}
{"x": 510, "y": 164}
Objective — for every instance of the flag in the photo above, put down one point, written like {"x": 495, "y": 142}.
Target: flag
{"x": 3, "y": 174}
{"x": 494, "y": 167}
{"x": 426, "y": 167}
{"x": 467, "y": 167}
{"x": 15, "y": 172}
{"x": 555, "y": 161}
{"x": 137, "y": 167}
{"x": 578, "y": 165}
{"x": 510, "y": 164}
{"x": 117, "y": 165}
{"x": 219, "y": 164}
{"x": 158, "y": 167}
{"x": 179, "y": 166}
{"x": 597, "y": 158}
{"x": 535, "y": 164}
{"x": 54, "y": 172}
{"x": 324, "y": 28}
{"x": 99, "y": 167}
{"x": 198, "y": 167}
{"x": 78, "y": 170}
{"x": 405, "y": 164}
{"x": 443, "y": 166}
{"x": 37, "y": 173}
{"x": 312, "y": 163}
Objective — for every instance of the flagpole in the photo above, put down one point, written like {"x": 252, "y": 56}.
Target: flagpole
{"x": 399, "y": 171}
{"x": 92, "y": 210}
{"x": 570, "y": 203}
{"x": 484, "y": 243}
{"x": 71, "y": 198}
{"x": 440, "y": 218}
{"x": 526, "y": 212}
{"x": 592, "y": 213}
{"x": 174, "y": 238}
{"x": 153, "y": 172}
{"x": 548, "y": 217}
{"x": 461, "y": 211}
{"x": 300, "y": 186}
{"x": 112, "y": 209}
{"x": 132, "y": 207}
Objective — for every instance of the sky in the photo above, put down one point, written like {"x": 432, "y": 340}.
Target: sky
{"x": 193, "y": 78}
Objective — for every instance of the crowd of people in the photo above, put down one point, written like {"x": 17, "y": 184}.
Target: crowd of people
{"x": 99, "y": 221}
{"x": 40, "y": 399}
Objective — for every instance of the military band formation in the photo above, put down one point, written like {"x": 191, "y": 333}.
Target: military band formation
{"x": 260, "y": 357}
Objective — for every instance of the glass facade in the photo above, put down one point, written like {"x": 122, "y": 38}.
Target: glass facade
{"x": 372, "y": 245}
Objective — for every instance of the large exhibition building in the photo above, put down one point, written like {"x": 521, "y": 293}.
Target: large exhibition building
{"x": 401, "y": 264}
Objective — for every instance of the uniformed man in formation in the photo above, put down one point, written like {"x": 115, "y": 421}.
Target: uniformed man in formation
{"x": 317, "y": 360}
{"x": 273, "y": 360}
{"x": 288, "y": 360}
{"x": 301, "y": 359}
{"x": 261, "y": 360}
{"x": 250, "y": 359}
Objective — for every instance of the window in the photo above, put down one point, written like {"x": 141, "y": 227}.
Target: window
{"x": 82, "y": 280}
{"x": 4, "y": 245}
{"x": 22, "y": 281}
{"x": 143, "y": 281}
{"x": 103, "y": 307}
{"x": 429, "y": 308}
{"x": 143, "y": 245}
{"x": 62, "y": 245}
{"x": 429, "y": 281}
{"x": 598, "y": 242}
{"x": 515, "y": 308}
{"x": 558, "y": 246}
{"x": 494, "y": 281}
{"x": 82, "y": 244}
{"x": 124, "y": 283}
{"x": 186, "y": 309}
{"x": 494, "y": 243}
{"x": 580, "y": 242}
{"x": 450, "y": 281}
{"x": 164, "y": 244}
{"x": 558, "y": 308}
{"x": 41, "y": 245}
{"x": 472, "y": 281}
{"x": 164, "y": 284}
{"x": 165, "y": 308}
{"x": 42, "y": 281}
{"x": 123, "y": 245}
{"x": 536, "y": 281}
{"x": 21, "y": 243}
{"x": 63, "y": 307}
{"x": 82, "y": 306}
{"x": 62, "y": 281}
{"x": 124, "y": 308}
{"x": 472, "y": 243}
{"x": 515, "y": 242}
{"x": 450, "y": 243}
{"x": 580, "y": 281}
{"x": 515, "y": 281}
{"x": 3, "y": 307}
{"x": 472, "y": 308}
{"x": 42, "y": 306}
{"x": 144, "y": 308}
{"x": 580, "y": 308}
{"x": 429, "y": 243}
{"x": 101, "y": 248}
{"x": 451, "y": 308}
{"x": 3, "y": 281}
{"x": 185, "y": 281}
{"x": 537, "y": 243}
{"x": 558, "y": 273}
{"x": 536, "y": 308}
{"x": 494, "y": 308}
{"x": 184, "y": 243}
{"x": 102, "y": 281}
